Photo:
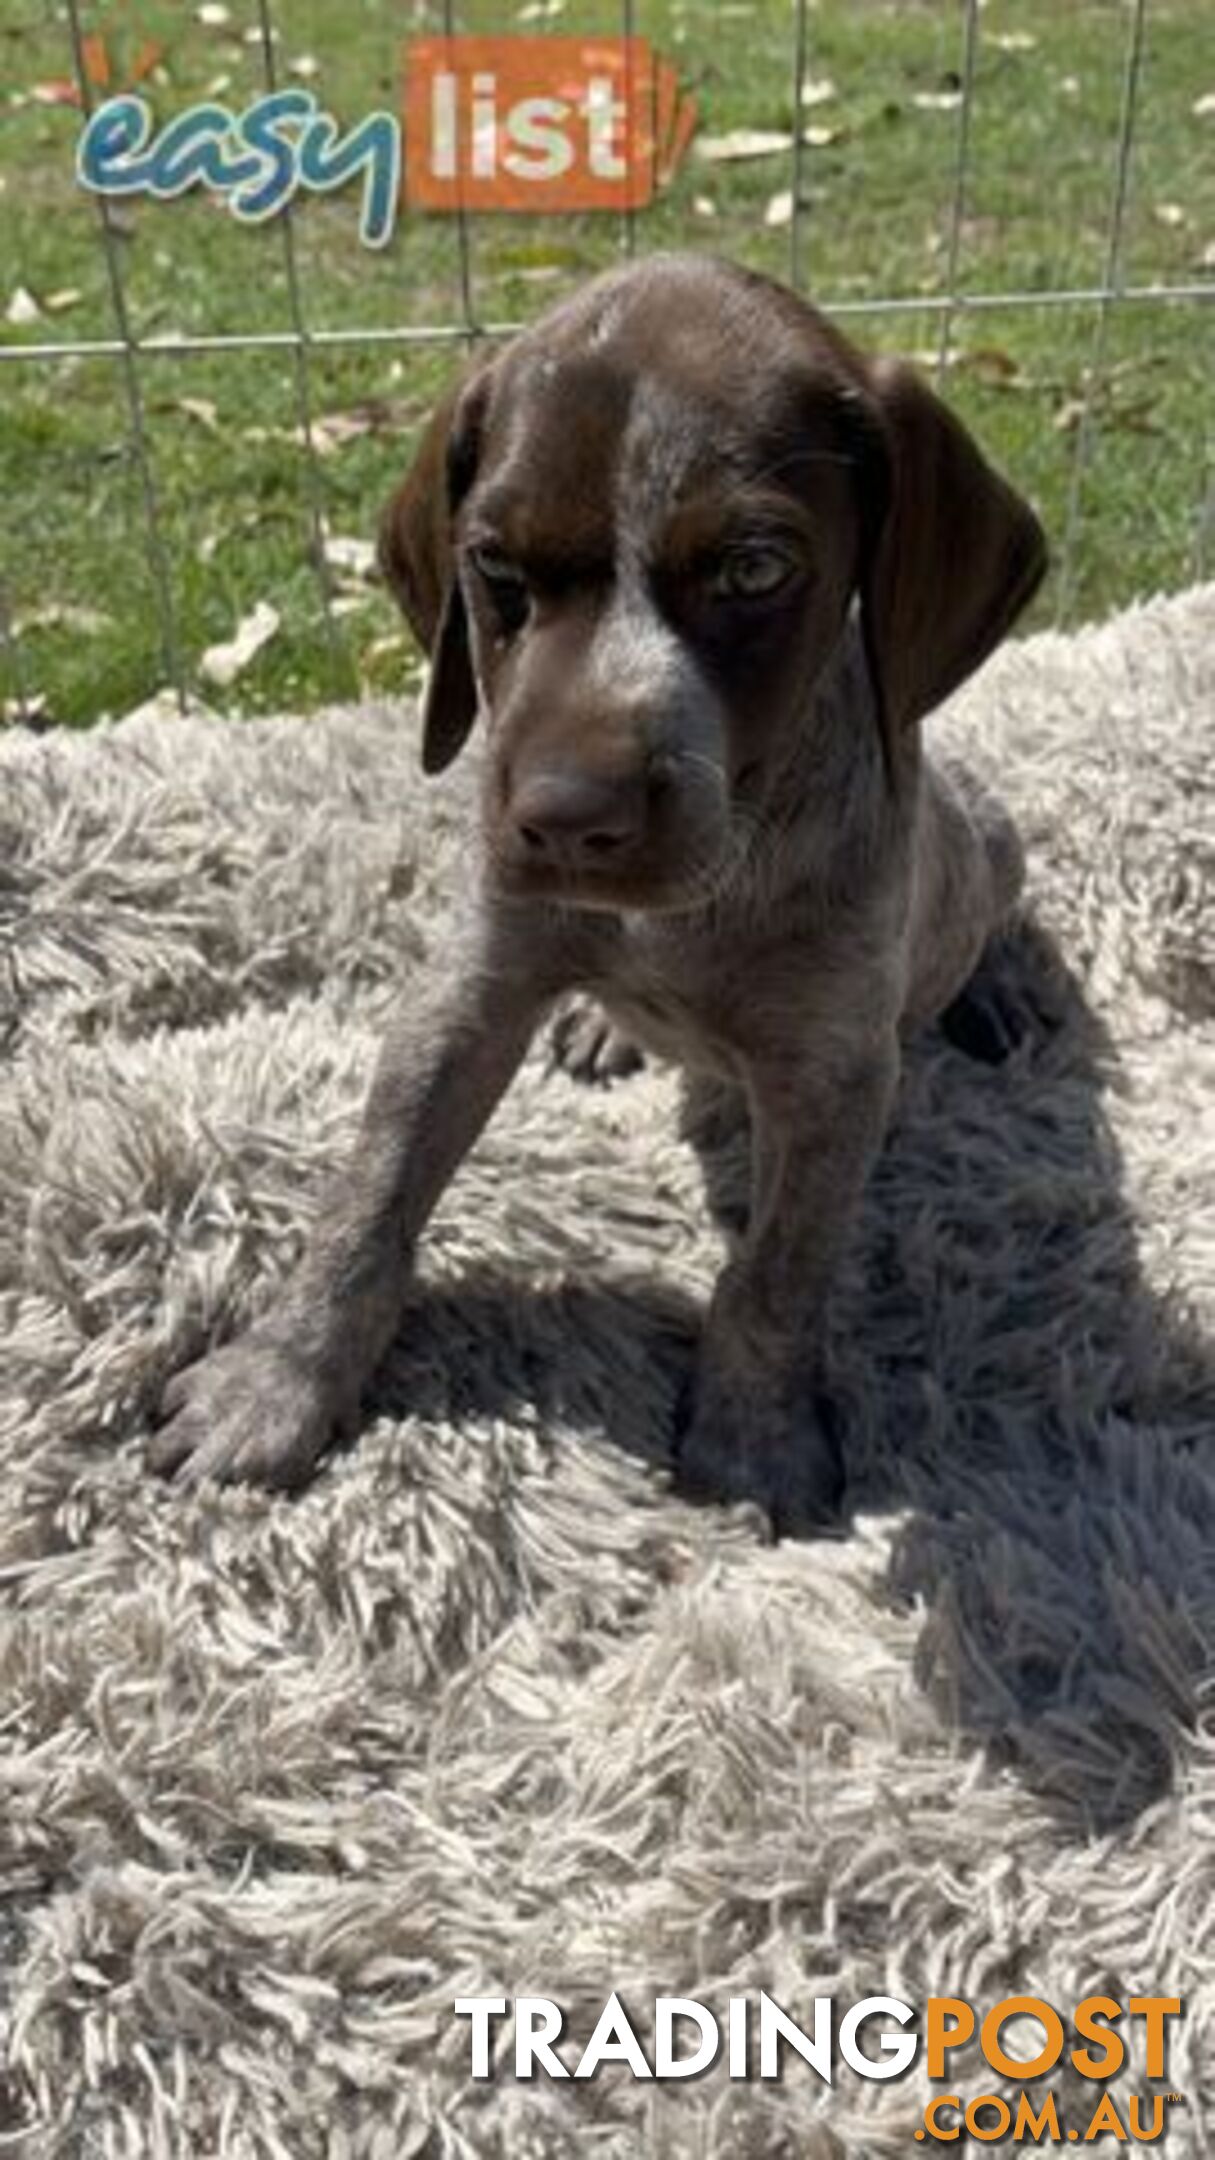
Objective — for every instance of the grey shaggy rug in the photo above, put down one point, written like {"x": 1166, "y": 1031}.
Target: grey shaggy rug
{"x": 490, "y": 1710}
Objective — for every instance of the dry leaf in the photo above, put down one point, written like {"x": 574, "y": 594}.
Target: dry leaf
{"x": 540, "y": 11}
{"x": 1012, "y": 40}
{"x": 1203, "y": 108}
{"x": 703, "y": 206}
{"x": 61, "y": 90}
{"x": 818, "y": 93}
{"x": 195, "y": 408}
{"x": 212, "y": 15}
{"x": 22, "y": 309}
{"x": 385, "y": 648}
{"x": 164, "y": 706}
{"x": 937, "y": 100}
{"x": 990, "y": 364}
{"x": 87, "y": 621}
{"x": 780, "y": 209}
{"x": 1169, "y": 213}
{"x": 305, "y": 67}
{"x": 221, "y": 664}
{"x": 30, "y": 710}
{"x": 57, "y": 303}
{"x": 819, "y": 138}
{"x": 349, "y": 603}
{"x": 332, "y": 431}
{"x": 348, "y": 556}
{"x": 742, "y": 143}
{"x": 1207, "y": 257}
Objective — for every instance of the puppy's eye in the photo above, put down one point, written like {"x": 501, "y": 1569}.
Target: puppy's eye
{"x": 504, "y": 581}
{"x": 751, "y": 573}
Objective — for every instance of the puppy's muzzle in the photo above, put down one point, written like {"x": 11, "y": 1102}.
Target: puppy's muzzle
{"x": 567, "y": 818}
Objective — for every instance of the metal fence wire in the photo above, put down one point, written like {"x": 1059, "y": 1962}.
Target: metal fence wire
{"x": 954, "y": 302}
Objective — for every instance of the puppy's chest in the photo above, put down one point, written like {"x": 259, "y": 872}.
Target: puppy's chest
{"x": 705, "y": 1003}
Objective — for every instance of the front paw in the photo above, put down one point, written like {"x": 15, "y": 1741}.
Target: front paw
{"x": 771, "y": 1446}
{"x": 589, "y": 1046}
{"x": 250, "y": 1413}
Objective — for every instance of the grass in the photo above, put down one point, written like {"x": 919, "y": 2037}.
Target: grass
{"x": 232, "y": 481}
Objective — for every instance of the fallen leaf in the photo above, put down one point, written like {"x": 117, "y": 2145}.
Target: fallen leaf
{"x": 988, "y": 364}
{"x": 332, "y": 431}
{"x": 57, "y": 303}
{"x": 1169, "y": 213}
{"x": 164, "y": 706}
{"x": 1203, "y": 108}
{"x": 305, "y": 67}
{"x": 350, "y": 557}
{"x": 819, "y": 138}
{"x": 780, "y": 209}
{"x": 386, "y": 648}
{"x": 1012, "y": 40}
{"x": 16, "y": 711}
{"x": 254, "y": 36}
{"x": 818, "y": 93}
{"x": 348, "y": 603}
{"x": 61, "y": 90}
{"x": 213, "y": 15}
{"x": 742, "y": 143}
{"x": 703, "y": 206}
{"x": 218, "y": 84}
{"x": 195, "y": 408}
{"x": 221, "y": 664}
{"x": 936, "y": 100}
{"x": 1070, "y": 85}
{"x": 1207, "y": 257}
{"x": 22, "y": 309}
{"x": 540, "y": 11}
{"x": 88, "y": 621}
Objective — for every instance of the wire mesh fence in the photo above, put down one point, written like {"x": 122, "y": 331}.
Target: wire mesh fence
{"x": 445, "y": 316}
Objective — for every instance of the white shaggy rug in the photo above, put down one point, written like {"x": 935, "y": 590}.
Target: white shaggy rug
{"x": 489, "y": 1711}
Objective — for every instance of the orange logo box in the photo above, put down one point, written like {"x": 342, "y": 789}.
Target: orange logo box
{"x": 540, "y": 123}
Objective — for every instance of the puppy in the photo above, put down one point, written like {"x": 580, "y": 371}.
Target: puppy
{"x": 695, "y": 569}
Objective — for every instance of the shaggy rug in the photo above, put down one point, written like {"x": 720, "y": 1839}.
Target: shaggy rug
{"x": 491, "y": 1711}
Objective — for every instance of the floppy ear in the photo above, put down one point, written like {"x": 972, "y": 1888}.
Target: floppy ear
{"x": 415, "y": 554}
{"x": 952, "y": 554}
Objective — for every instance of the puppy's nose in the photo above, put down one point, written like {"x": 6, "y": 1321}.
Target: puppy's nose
{"x": 575, "y": 816}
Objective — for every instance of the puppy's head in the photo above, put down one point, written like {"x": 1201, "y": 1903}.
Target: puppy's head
{"x": 630, "y": 542}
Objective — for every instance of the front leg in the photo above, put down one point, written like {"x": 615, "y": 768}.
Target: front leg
{"x": 262, "y": 1408}
{"x": 753, "y": 1430}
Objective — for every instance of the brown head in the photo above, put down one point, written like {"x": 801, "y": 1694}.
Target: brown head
{"x": 630, "y": 542}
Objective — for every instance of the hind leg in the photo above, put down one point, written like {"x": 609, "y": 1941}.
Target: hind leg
{"x": 969, "y": 872}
